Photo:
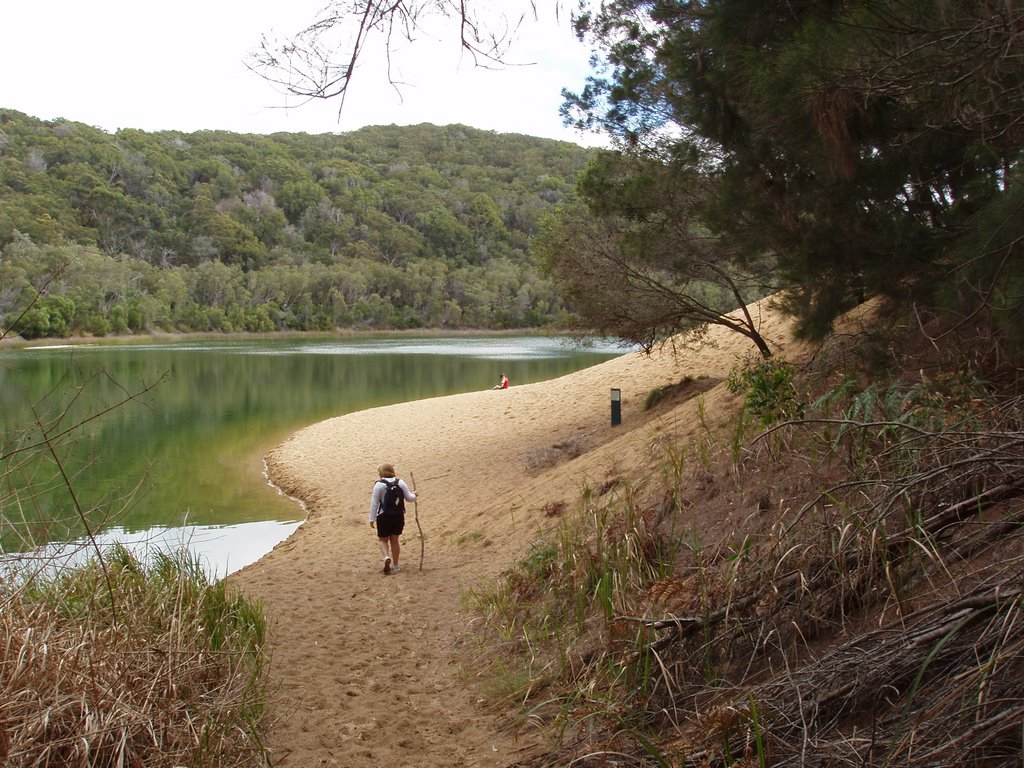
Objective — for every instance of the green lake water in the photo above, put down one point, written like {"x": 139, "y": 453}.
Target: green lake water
{"x": 162, "y": 444}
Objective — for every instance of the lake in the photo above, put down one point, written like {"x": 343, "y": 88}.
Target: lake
{"x": 162, "y": 444}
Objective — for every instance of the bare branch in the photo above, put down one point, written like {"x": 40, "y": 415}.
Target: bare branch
{"x": 321, "y": 60}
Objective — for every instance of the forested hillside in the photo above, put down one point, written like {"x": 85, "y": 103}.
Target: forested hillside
{"x": 385, "y": 227}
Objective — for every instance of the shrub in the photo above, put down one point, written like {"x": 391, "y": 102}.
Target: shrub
{"x": 768, "y": 389}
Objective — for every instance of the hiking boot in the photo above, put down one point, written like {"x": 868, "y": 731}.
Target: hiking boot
{"x": 387, "y": 565}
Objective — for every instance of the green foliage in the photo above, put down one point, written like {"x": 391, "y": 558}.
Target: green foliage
{"x": 296, "y": 197}
{"x": 879, "y": 415}
{"x": 865, "y": 148}
{"x": 768, "y": 388}
{"x": 386, "y": 227}
{"x": 560, "y": 602}
{"x": 50, "y": 316}
{"x": 654, "y": 397}
{"x": 639, "y": 264}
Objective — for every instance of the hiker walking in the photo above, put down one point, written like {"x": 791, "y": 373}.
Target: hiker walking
{"x": 387, "y": 514}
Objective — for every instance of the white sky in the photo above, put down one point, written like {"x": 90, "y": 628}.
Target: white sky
{"x": 179, "y": 66}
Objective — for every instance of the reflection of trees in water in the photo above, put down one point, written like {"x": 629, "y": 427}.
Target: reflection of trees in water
{"x": 185, "y": 445}
{"x": 50, "y": 455}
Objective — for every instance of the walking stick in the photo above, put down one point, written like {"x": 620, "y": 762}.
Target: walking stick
{"x": 416, "y": 510}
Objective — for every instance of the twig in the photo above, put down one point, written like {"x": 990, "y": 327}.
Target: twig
{"x": 49, "y": 443}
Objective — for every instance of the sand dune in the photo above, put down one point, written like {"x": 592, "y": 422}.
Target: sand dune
{"x": 368, "y": 669}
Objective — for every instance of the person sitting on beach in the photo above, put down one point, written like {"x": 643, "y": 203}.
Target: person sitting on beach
{"x": 387, "y": 514}
{"x": 502, "y": 383}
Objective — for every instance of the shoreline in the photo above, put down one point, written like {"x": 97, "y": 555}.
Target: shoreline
{"x": 350, "y": 646}
{"x": 17, "y": 342}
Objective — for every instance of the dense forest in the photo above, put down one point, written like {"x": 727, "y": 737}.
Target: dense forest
{"x": 384, "y": 227}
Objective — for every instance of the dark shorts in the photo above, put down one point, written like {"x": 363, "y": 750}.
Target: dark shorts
{"x": 390, "y": 524}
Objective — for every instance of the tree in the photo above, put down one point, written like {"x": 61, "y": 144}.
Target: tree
{"x": 629, "y": 280}
{"x": 380, "y": 207}
{"x": 708, "y": 264}
{"x": 862, "y": 144}
{"x": 484, "y": 220}
{"x": 665, "y": 270}
{"x": 296, "y": 197}
{"x": 51, "y": 316}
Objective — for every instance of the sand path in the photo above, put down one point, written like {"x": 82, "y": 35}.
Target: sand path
{"x": 369, "y": 670}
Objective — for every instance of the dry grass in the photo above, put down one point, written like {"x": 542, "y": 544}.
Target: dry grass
{"x": 113, "y": 663}
{"x": 842, "y": 589}
{"x": 563, "y": 450}
{"x": 129, "y": 666}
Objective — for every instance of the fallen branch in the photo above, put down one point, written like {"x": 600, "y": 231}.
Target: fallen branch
{"x": 790, "y": 585}
{"x": 891, "y": 672}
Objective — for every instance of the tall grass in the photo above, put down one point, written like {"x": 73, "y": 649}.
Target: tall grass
{"x": 557, "y": 615}
{"x": 120, "y": 663}
{"x": 638, "y": 643}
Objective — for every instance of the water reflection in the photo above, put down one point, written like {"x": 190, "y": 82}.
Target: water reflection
{"x": 172, "y": 435}
{"x": 220, "y": 549}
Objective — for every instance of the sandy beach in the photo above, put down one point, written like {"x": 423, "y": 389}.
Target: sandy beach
{"x": 370, "y": 670}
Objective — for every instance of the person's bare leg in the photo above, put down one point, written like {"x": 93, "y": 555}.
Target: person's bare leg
{"x": 396, "y": 549}
{"x": 383, "y": 542}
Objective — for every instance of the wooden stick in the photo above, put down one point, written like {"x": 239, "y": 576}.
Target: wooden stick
{"x": 416, "y": 510}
